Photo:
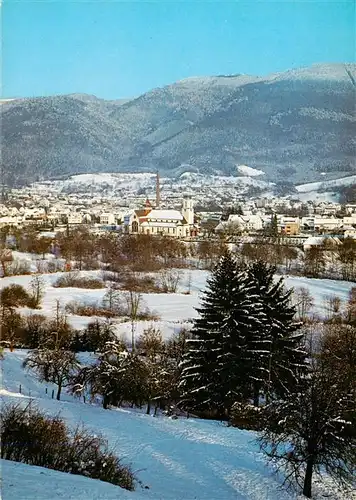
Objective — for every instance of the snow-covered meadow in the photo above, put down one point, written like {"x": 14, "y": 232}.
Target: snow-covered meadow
{"x": 175, "y": 310}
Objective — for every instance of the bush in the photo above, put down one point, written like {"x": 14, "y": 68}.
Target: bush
{"x": 150, "y": 342}
{"x": 76, "y": 281}
{"x": 94, "y": 337}
{"x": 19, "y": 267}
{"x": 92, "y": 309}
{"x": 246, "y": 416}
{"x": 55, "y": 266}
{"x": 29, "y": 436}
{"x": 169, "y": 280}
{"x": 95, "y": 309}
{"x": 140, "y": 284}
{"x": 35, "y": 330}
{"x": 11, "y": 329}
{"x": 14, "y": 296}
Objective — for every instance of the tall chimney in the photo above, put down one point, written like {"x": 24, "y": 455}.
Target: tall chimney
{"x": 158, "y": 193}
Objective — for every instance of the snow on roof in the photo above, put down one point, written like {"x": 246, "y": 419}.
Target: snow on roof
{"x": 165, "y": 214}
{"x": 314, "y": 240}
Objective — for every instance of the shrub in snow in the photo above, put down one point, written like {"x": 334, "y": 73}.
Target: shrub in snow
{"x": 150, "y": 342}
{"x": 19, "y": 268}
{"x": 118, "y": 377}
{"x": 31, "y": 437}
{"x": 246, "y": 416}
{"x": 14, "y": 296}
{"x": 94, "y": 337}
{"x": 77, "y": 281}
{"x": 11, "y": 328}
{"x": 90, "y": 309}
{"x": 36, "y": 291}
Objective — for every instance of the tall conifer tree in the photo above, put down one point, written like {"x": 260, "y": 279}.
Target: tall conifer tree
{"x": 246, "y": 346}
{"x": 287, "y": 355}
{"x": 230, "y": 348}
{"x": 200, "y": 365}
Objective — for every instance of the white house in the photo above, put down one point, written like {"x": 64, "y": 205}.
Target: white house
{"x": 75, "y": 218}
{"x": 252, "y": 222}
{"x": 327, "y": 223}
{"x": 107, "y": 219}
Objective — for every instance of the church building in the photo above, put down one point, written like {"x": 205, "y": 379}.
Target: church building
{"x": 148, "y": 220}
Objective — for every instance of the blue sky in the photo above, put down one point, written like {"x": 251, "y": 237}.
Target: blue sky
{"x": 119, "y": 49}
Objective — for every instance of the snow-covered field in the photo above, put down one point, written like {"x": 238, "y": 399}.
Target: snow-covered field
{"x": 322, "y": 190}
{"x": 314, "y": 186}
{"x": 249, "y": 171}
{"x": 182, "y": 459}
{"x": 114, "y": 180}
{"x": 175, "y": 310}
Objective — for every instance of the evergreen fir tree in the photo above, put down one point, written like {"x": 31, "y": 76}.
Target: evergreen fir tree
{"x": 287, "y": 355}
{"x": 229, "y": 350}
{"x": 246, "y": 345}
{"x": 200, "y": 366}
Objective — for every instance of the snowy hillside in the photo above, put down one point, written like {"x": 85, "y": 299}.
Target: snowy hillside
{"x": 174, "y": 459}
{"x": 182, "y": 459}
{"x": 319, "y": 186}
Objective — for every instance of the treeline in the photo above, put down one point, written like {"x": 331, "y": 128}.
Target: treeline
{"x": 326, "y": 260}
{"x": 35, "y": 330}
{"x": 146, "y": 373}
{"x": 85, "y": 250}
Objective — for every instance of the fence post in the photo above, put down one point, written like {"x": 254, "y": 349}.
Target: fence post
{"x": 20, "y": 389}
{"x": 52, "y": 393}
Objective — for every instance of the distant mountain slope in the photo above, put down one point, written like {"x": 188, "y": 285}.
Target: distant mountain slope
{"x": 292, "y": 125}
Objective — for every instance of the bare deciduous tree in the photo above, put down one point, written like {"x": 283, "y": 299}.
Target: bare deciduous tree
{"x": 5, "y": 260}
{"x": 55, "y": 366}
{"x": 303, "y": 302}
{"x": 312, "y": 430}
{"x": 134, "y": 302}
{"x": 36, "y": 287}
{"x": 169, "y": 280}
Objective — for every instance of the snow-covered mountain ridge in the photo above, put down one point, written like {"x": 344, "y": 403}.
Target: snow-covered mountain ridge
{"x": 292, "y": 126}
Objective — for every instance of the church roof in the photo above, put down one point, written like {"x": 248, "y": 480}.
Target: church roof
{"x": 165, "y": 214}
{"x": 142, "y": 212}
